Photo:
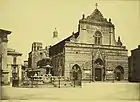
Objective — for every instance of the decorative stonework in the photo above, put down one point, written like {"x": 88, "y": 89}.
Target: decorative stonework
{"x": 83, "y": 51}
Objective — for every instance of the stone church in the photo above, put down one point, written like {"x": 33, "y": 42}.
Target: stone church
{"x": 92, "y": 52}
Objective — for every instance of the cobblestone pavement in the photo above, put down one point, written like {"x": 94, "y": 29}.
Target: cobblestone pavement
{"x": 89, "y": 92}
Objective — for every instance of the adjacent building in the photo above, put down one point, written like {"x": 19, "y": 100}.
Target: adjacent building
{"x": 37, "y": 53}
{"x": 14, "y": 66}
{"x": 24, "y": 70}
{"x": 134, "y": 65}
{"x": 92, "y": 51}
{"x": 39, "y": 61}
{"x": 3, "y": 55}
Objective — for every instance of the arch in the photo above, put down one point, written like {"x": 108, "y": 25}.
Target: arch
{"x": 98, "y": 37}
{"x": 99, "y": 61}
{"x": 98, "y": 71}
{"x": 76, "y": 75}
{"x": 119, "y": 73}
{"x": 76, "y": 67}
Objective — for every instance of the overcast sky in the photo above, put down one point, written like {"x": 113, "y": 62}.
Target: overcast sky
{"x": 35, "y": 20}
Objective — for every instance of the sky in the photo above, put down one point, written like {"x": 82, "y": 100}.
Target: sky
{"x": 35, "y": 20}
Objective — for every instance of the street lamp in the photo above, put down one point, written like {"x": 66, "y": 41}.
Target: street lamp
{"x": 113, "y": 76}
{"x": 1, "y": 64}
{"x": 1, "y": 70}
{"x": 139, "y": 91}
{"x": 105, "y": 69}
{"x": 32, "y": 78}
{"x": 59, "y": 77}
{"x": 1, "y": 55}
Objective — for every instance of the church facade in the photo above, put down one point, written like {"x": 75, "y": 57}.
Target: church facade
{"x": 92, "y": 51}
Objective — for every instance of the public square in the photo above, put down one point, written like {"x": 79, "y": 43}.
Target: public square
{"x": 98, "y": 91}
{"x": 70, "y": 51}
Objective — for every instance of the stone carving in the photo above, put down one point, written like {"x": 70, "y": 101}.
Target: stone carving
{"x": 98, "y": 54}
{"x": 73, "y": 39}
{"x": 119, "y": 43}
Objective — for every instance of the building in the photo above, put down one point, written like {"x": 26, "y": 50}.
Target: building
{"x": 24, "y": 70}
{"x": 14, "y": 66}
{"x": 39, "y": 61}
{"x": 134, "y": 65}
{"x": 25, "y": 64}
{"x": 3, "y": 55}
{"x": 92, "y": 51}
{"x": 37, "y": 53}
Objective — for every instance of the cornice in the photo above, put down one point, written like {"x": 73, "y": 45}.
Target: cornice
{"x": 82, "y": 45}
{"x": 108, "y": 24}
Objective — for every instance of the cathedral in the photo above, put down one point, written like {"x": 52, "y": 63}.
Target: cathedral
{"x": 92, "y": 52}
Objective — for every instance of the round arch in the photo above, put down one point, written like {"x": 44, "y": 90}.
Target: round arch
{"x": 98, "y": 32}
{"x": 119, "y": 73}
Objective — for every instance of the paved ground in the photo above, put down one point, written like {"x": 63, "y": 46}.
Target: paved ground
{"x": 113, "y": 92}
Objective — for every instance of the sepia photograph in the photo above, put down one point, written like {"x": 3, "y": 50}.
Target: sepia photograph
{"x": 70, "y": 50}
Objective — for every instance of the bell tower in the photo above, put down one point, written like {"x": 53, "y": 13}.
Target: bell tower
{"x": 36, "y": 46}
{"x": 55, "y": 36}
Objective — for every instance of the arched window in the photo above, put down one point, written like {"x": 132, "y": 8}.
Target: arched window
{"x": 76, "y": 67}
{"x": 99, "y": 61}
{"x": 98, "y": 37}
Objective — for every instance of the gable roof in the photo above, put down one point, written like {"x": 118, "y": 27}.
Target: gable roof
{"x": 96, "y": 15}
{"x": 97, "y": 18}
{"x": 67, "y": 39}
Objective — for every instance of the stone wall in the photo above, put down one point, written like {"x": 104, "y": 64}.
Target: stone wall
{"x": 10, "y": 68}
{"x": 134, "y": 65}
{"x": 58, "y": 64}
{"x": 115, "y": 59}
{"x": 80, "y": 56}
{"x": 3, "y": 52}
{"x": 87, "y": 32}
{"x": 85, "y": 56}
{"x": 35, "y": 56}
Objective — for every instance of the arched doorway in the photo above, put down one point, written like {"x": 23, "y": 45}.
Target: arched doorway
{"x": 98, "y": 70}
{"x": 76, "y": 75}
{"x": 119, "y": 73}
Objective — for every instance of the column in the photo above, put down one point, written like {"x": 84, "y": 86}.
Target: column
{"x": 3, "y": 52}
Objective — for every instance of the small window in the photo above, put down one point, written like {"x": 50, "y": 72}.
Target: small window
{"x": 34, "y": 48}
{"x": 38, "y": 48}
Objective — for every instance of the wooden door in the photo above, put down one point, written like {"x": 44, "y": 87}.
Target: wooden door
{"x": 98, "y": 74}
